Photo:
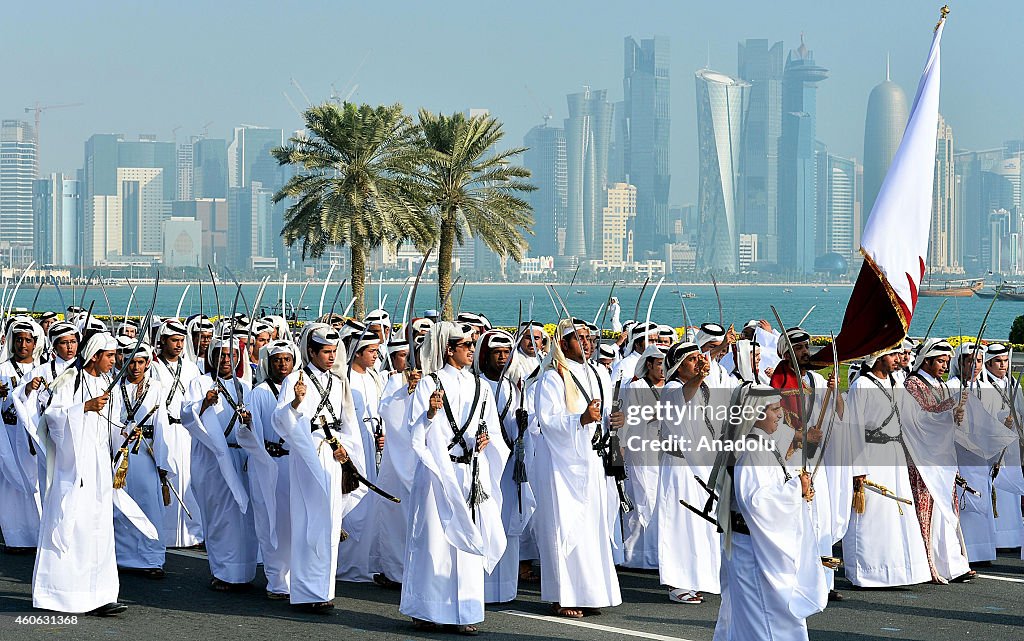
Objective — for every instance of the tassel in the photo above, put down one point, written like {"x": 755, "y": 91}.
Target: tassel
{"x": 519, "y": 467}
{"x": 166, "y": 492}
{"x": 995, "y": 509}
{"x": 344, "y": 536}
{"x": 477, "y": 495}
{"x": 122, "y": 469}
{"x": 860, "y": 499}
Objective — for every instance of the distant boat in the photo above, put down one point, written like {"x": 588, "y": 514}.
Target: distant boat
{"x": 963, "y": 288}
{"x": 687, "y": 295}
{"x": 825, "y": 289}
{"x": 1006, "y": 291}
{"x": 581, "y": 291}
{"x": 787, "y": 291}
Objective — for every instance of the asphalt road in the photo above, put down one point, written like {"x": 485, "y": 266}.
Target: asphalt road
{"x": 181, "y": 607}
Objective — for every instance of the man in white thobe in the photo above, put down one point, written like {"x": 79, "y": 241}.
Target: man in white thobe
{"x": 268, "y": 468}
{"x": 455, "y": 529}
{"x": 75, "y": 569}
{"x": 211, "y": 412}
{"x": 176, "y": 372}
{"x": 316, "y": 418}
{"x": 20, "y": 498}
{"x": 575, "y": 504}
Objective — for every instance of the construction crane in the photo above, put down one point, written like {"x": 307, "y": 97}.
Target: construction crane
{"x": 38, "y": 109}
{"x": 206, "y": 128}
{"x": 545, "y": 114}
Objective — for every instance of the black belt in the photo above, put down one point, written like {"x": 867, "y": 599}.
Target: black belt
{"x": 739, "y": 524}
{"x": 173, "y": 421}
{"x": 464, "y": 459}
{"x": 275, "y": 450}
{"x": 334, "y": 426}
{"x": 10, "y": 416}
{"x": 878, "y": 437}
{"x": 235, "y": 445}
{"x": 147, "y": 431}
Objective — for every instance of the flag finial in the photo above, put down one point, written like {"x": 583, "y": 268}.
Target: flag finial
{"x": 944, "y": 11}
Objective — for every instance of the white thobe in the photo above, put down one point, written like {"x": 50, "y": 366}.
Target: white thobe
{"x": 450, "y": 544}
{"x": 883, "y": 546}
{"x": 135, "y": 549}
{"x": 75, "y": 569}
{"x": 317, "y": 502}
{"x": 30, "y": 406}
{"x": 387, "y": 520}
{"x": 178, "y": 528}
{"x": 576, "y": 510}
{"x": 518, "y": 503}
{"x": 220, "y": 481}
{"x": 1009, "y": 486}
{"x": 640, "y": 539}
{"x": 354, "y": 554}
{"x": 269, "y": 487}
{"x": 772, "y": 578}
{"x": 20, "y": 498}
{"x": 690, "y": 557}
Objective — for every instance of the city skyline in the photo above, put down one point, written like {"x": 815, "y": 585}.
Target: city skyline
{"x": 185, "y": 88}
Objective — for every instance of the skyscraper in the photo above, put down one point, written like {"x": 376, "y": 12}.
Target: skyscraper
{"x": 883, "y": 130}
{"x": 210, "y": 168}
{"x": 250, "y": 223}
{"x": 646, "y": 149}
{"x": 249, "y": 156}
{"x": 588, "y": 130}
{"x": 760, "y": 64}
{"x": 57, "y": 209}
{"x": 797, "y": 173}
{"x": 186, "y": 162}
{"x": 545, "y": 158}
{"x": 18, "y": 168}
{"x": 127, "y": 189}
{"x": 944, "y": 246}
{"x": 837, "y": 204}
{"x": 617, "y": 233}
{"x": 721, "y": 104}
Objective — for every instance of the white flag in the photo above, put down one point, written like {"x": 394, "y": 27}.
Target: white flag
{"x": 895, "y": 239}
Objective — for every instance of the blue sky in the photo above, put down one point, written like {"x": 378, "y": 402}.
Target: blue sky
{"x": 149, "y": 67}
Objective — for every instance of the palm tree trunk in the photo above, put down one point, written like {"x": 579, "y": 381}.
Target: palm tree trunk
{"x": 444, "y": 263}
{"x": 358, "y": 253}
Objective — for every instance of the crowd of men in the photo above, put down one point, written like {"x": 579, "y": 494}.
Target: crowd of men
{"x": 455, "y": 462}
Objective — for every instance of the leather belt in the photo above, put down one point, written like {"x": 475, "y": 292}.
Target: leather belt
{"x": 739, "y": 524}
{"x": 275, "y": 450}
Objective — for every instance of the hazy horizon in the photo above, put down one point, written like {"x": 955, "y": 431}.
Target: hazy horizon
{"x": 149, "y": 69}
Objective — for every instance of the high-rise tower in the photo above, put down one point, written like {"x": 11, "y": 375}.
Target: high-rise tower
{"x": 588, "y": 130}
{"x": 644, "y": 132}
{"x": 721, "y": 103}
{"x": 760, "y": 63}
{"x": 883, "y": 130}
{"x": 797, "y": 171}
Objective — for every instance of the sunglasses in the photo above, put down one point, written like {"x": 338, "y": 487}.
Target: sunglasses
{"x": 468, "y": 345}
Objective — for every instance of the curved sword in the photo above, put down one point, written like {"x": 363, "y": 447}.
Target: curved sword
{"x": 323, "y": 292}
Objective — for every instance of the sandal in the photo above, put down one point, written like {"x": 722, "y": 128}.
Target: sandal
{"x": 591, "y": 612}
{"x": 223, "y": 586}
{"x": 529, "y": 576}
{"x": 383, "y": 581}
{"x": 568, "y": 613}
{"x": 687, "y": 597}
{"x": 465, "y": 630}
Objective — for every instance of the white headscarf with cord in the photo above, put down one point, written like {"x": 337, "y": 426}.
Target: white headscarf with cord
{"x": 575, "y": 402}
{"x": 489, "y": 340}
{"x": 23, "y": 325}
{"x": 931, "y": 348}
{"x": 273, "y": 348}
{"x": 321, "y": 333}
{"x": 965, "y": 348}
{"x": 435, "y": 346}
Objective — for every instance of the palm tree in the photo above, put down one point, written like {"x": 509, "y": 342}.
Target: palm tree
{"x": 354, "y": 184}
{"x": 472, "y": 189}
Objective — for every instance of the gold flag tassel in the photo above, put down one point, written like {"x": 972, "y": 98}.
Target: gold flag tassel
{"x": 121, "y": 475}
{"x": 860, "y": 499}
